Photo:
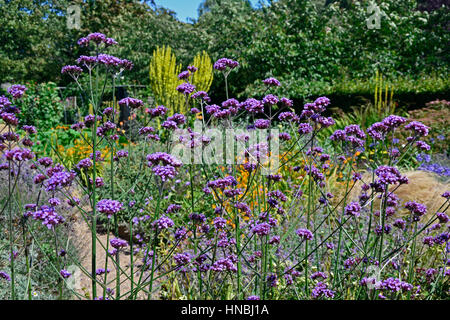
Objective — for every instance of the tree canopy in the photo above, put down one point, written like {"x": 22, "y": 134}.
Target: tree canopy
{"x": 306, "y": 44}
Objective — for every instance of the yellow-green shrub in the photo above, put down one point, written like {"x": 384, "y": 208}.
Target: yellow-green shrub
{"x": 202, "y": 79}
{"x": 164, "y": 80}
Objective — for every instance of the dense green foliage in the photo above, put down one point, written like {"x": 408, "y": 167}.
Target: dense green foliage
{"x": 311, "y": 46}
{"x": 41, "y": 106}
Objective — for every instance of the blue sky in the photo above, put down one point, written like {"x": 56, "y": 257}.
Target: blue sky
{"x": 185, "y": 8}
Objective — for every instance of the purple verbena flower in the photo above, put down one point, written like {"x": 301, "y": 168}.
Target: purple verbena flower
{"x": 65, "y": 274}
{"x": 118, "y": 243}
{"x": 131, "y": 103}
{"x": 109, "y": 207}
{"x": 305, "y": 234}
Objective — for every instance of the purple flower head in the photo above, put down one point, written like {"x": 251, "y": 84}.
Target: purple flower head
{"x": 417, "y": 209}
{"x": 111, "y": 61}
{"x": 5, "y": 276}
{"x": 182, "y": 259}
{"x": 243, "y": 208}
{"x": 418, "y": 128}
{"x": 288, "y": 116}
{"x": 377, "y": 131}
{"x": 325, "y": 122}
{"x": 168, "y": 124}
{"x": 305, "y": 234}
{"x": 164, "y": 223}
{"x": 17, "y": 90}
{"x": 121, "y": 154}
{"x": 109, "y": 207}
{"x": 353, "y": 209}
{"x": 131, "y": 103}
{"x": 305, "y": 128}
{"x": 231, "y": 104}
{"x": 95, "y": 37}
{"x": 222, "y": 183}
{"x": 59, "y": 180}
{"x": 101, "y": 271}
{"x": 54, "y": 202}
{"x": 185, "y": 88}
{"x": 318, "y": 106}
{"x": 271, "y": 82}
{"x": 4, "y": 102}
{"x": 87, "y": 61}
{"x": 443, "y": 218}
{"x": 48, "y": 216}
{"x": 393, "y": 285}
{"x": 201, "y": 95}
{"x": 108, "y": 111}
{"x": 181, "y": 234}
{"x": 270, "y": 100}
{"x": 9, "y": 118}
{"x": 286, "y": 102}
{"x": 164, "y": 158}
{"x": 90, "y": 119}
{"x": 165, "y": 172}
{"x": 252, "y": 105}
{"x": 99, "y": 182}
{"x": 192, "y": 69}
{"x": 338, "y": 135}
{"x": 277, "y": 194}
{"x": 388, "y": 175}
{"x": 84, "y": 164}
{"x": 319, "y": 274}
{"x": 29, "y": 129}
{"x": 212, "y": 109}
{"x": 173, "y": 208}
{"x": 220, "y": 223}
{"x": 65, "y": 274}
{"x": 261, "y": 229}
{"x": 272, "y": 279}
{"x": 109, "y": 42}
{"x": 118, "y": 243}
{"x": 274, "y": 240}
{"x": 197, "y": 217}
{"x": 146, "y": 130}
{"x": 354, "y": 130}
{"x": 224, "y": 63}
{"x": 184, "y": 75}
{"x": 442, "y": 238}
{"x": 73, "y": 71}
{"x": 178, "y": 118}
{"x": 224, "y": 264}
{"x": 19, "y": 154}
{"x": 156, "y": 112}
{"x": 275, "y": 177}
{"x": 284, "y": 136}
{"x": 262, "y": 123}
{"x": 400, "y": 223}
{"x": 422, "y": 146}
{"x": 321, "y": 290}
{"x": 393, "y": 121}
{"x": 322, "y": 102}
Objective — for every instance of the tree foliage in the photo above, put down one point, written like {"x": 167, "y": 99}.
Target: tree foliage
{"x": 309, "y": 45}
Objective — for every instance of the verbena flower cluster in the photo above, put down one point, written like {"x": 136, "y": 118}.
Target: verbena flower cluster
{"x": 234, "y": 229}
